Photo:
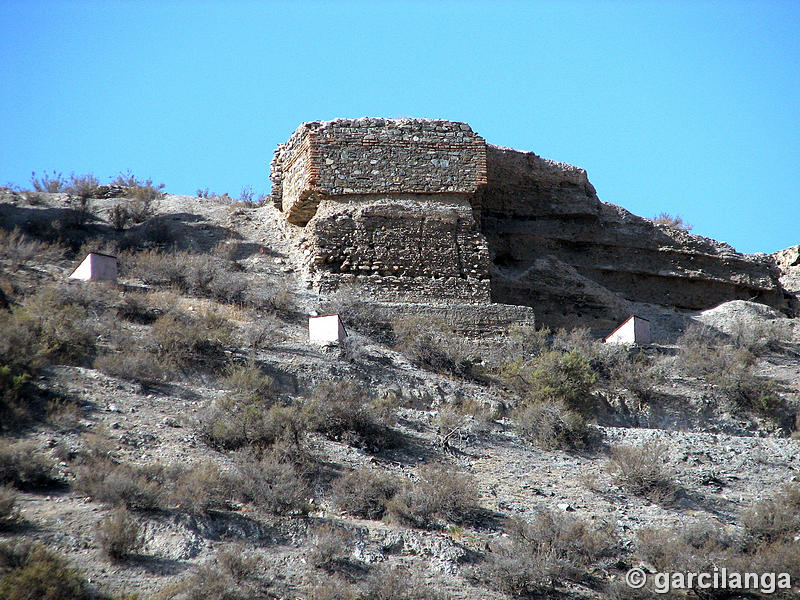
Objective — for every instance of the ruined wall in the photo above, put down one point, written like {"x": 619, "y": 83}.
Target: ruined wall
{"x": 555, "y": 246}
{"x": 418, "y": 210}
{"x": 386, "y": 205}
{"x": 400, "y": 245}
{"x": 368, "y": 156}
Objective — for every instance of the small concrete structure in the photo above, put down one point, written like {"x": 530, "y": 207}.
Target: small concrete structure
{"x": 634, "y": 330}
{"x": 325, "y": 329}
{"x": 96, "y": 267}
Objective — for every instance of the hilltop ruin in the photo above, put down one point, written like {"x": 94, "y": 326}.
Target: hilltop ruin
{"x": 425, "y": 210}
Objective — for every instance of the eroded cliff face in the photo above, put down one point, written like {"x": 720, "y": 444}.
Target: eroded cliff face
{"x": 418, "y": 210}
{"x": 555, "y": 246}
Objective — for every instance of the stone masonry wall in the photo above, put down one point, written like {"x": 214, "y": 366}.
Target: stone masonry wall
{"x": 419, "y": 210}
{"x": 367, "y": 156}
{"x": 399, "y": 245}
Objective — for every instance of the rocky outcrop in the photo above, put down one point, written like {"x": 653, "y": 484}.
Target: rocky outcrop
{"x": 424, "y": 211}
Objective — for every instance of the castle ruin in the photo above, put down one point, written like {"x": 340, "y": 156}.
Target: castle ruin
{"x": 423, "y": 210}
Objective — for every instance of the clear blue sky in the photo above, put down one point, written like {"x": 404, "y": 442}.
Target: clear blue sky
{"x": 685, "y": 107}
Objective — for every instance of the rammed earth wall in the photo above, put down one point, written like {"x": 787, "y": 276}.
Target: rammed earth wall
{"x": 421, "y": 210}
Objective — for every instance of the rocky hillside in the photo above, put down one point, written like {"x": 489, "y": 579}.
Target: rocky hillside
{"x": 174, "y": 435}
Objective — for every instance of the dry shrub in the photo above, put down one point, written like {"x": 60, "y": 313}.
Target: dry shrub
{"x": 9, "y": 511}
{"x": 774, "y": 519}
{"x": 346, "y": 411}
{"x": 134, "y": 363}
{"x": 233, "y": 575}
{"x": 133, "y": 486}
{"x": 333, "y": 588}
{"x": 194, "y": 489}
{"x": 553, "y": 426}
{"x": 29, "y": 571}
{"x": 704, "y": 354}
{"x": 24, "y": 467}
{"x": 640, "y": 469}
{"x": 438, "y": 495}
{"x": 275, "y": 482}
{"x": 706, "y": 547}
{"x": 119, "y": 535}
{"x": 19, "y": 249}
{"x": 396, "y": 583}
{"x": 50, "y": 326}
{"x": 51, "y": 184}
{"x": 553, "y": 376}
{"x": 206, "y": 276}
{"x": 696, "y": 547}
{"x": 191, "y": 342}
{"x": 330, "y": 547}
{"x": 673, "y": 222}
{"x": 365, "y": 492}
{"x": 433, "y": 345}
{"x": 554, "y": 547}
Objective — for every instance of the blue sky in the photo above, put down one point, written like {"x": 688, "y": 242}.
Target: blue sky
{"x": 687, "y": 107}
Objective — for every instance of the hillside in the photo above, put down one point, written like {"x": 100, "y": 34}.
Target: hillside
{"x": 174, "y": 435}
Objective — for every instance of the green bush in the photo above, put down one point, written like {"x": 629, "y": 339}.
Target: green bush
{"x": 553, "y": 376}
{"x": 119, "y": 535}
{"x": 29, "y": 571}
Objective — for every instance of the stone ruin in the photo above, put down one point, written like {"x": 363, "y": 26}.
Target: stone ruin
{"x": 387, "y": 205}
{"x": 422, "y": 210}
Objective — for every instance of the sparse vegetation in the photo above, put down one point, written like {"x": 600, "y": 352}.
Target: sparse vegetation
{"x": 25, "y": 467}
{"x": 731, "y": 369}
{"x": 433, "y": 345}
{"x": 554, "y": 376}
{"x": 119, "y": 535}
{"x": 30, "y": 571}
{"x": 365, "y": 492}
{"x": 551, "y": 425}
{"x": 345, "y": 411}
{"x": 673, "y": 222}
{"x": 438, "y": 495}
{"x": 9, "y": 511}
{"x": 553, "y": 548}
{"x": 640, "y": 469}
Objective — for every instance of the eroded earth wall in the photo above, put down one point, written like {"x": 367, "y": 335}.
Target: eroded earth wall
{"x": 555, "y": 246}
{"x": 418, "y": 210}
